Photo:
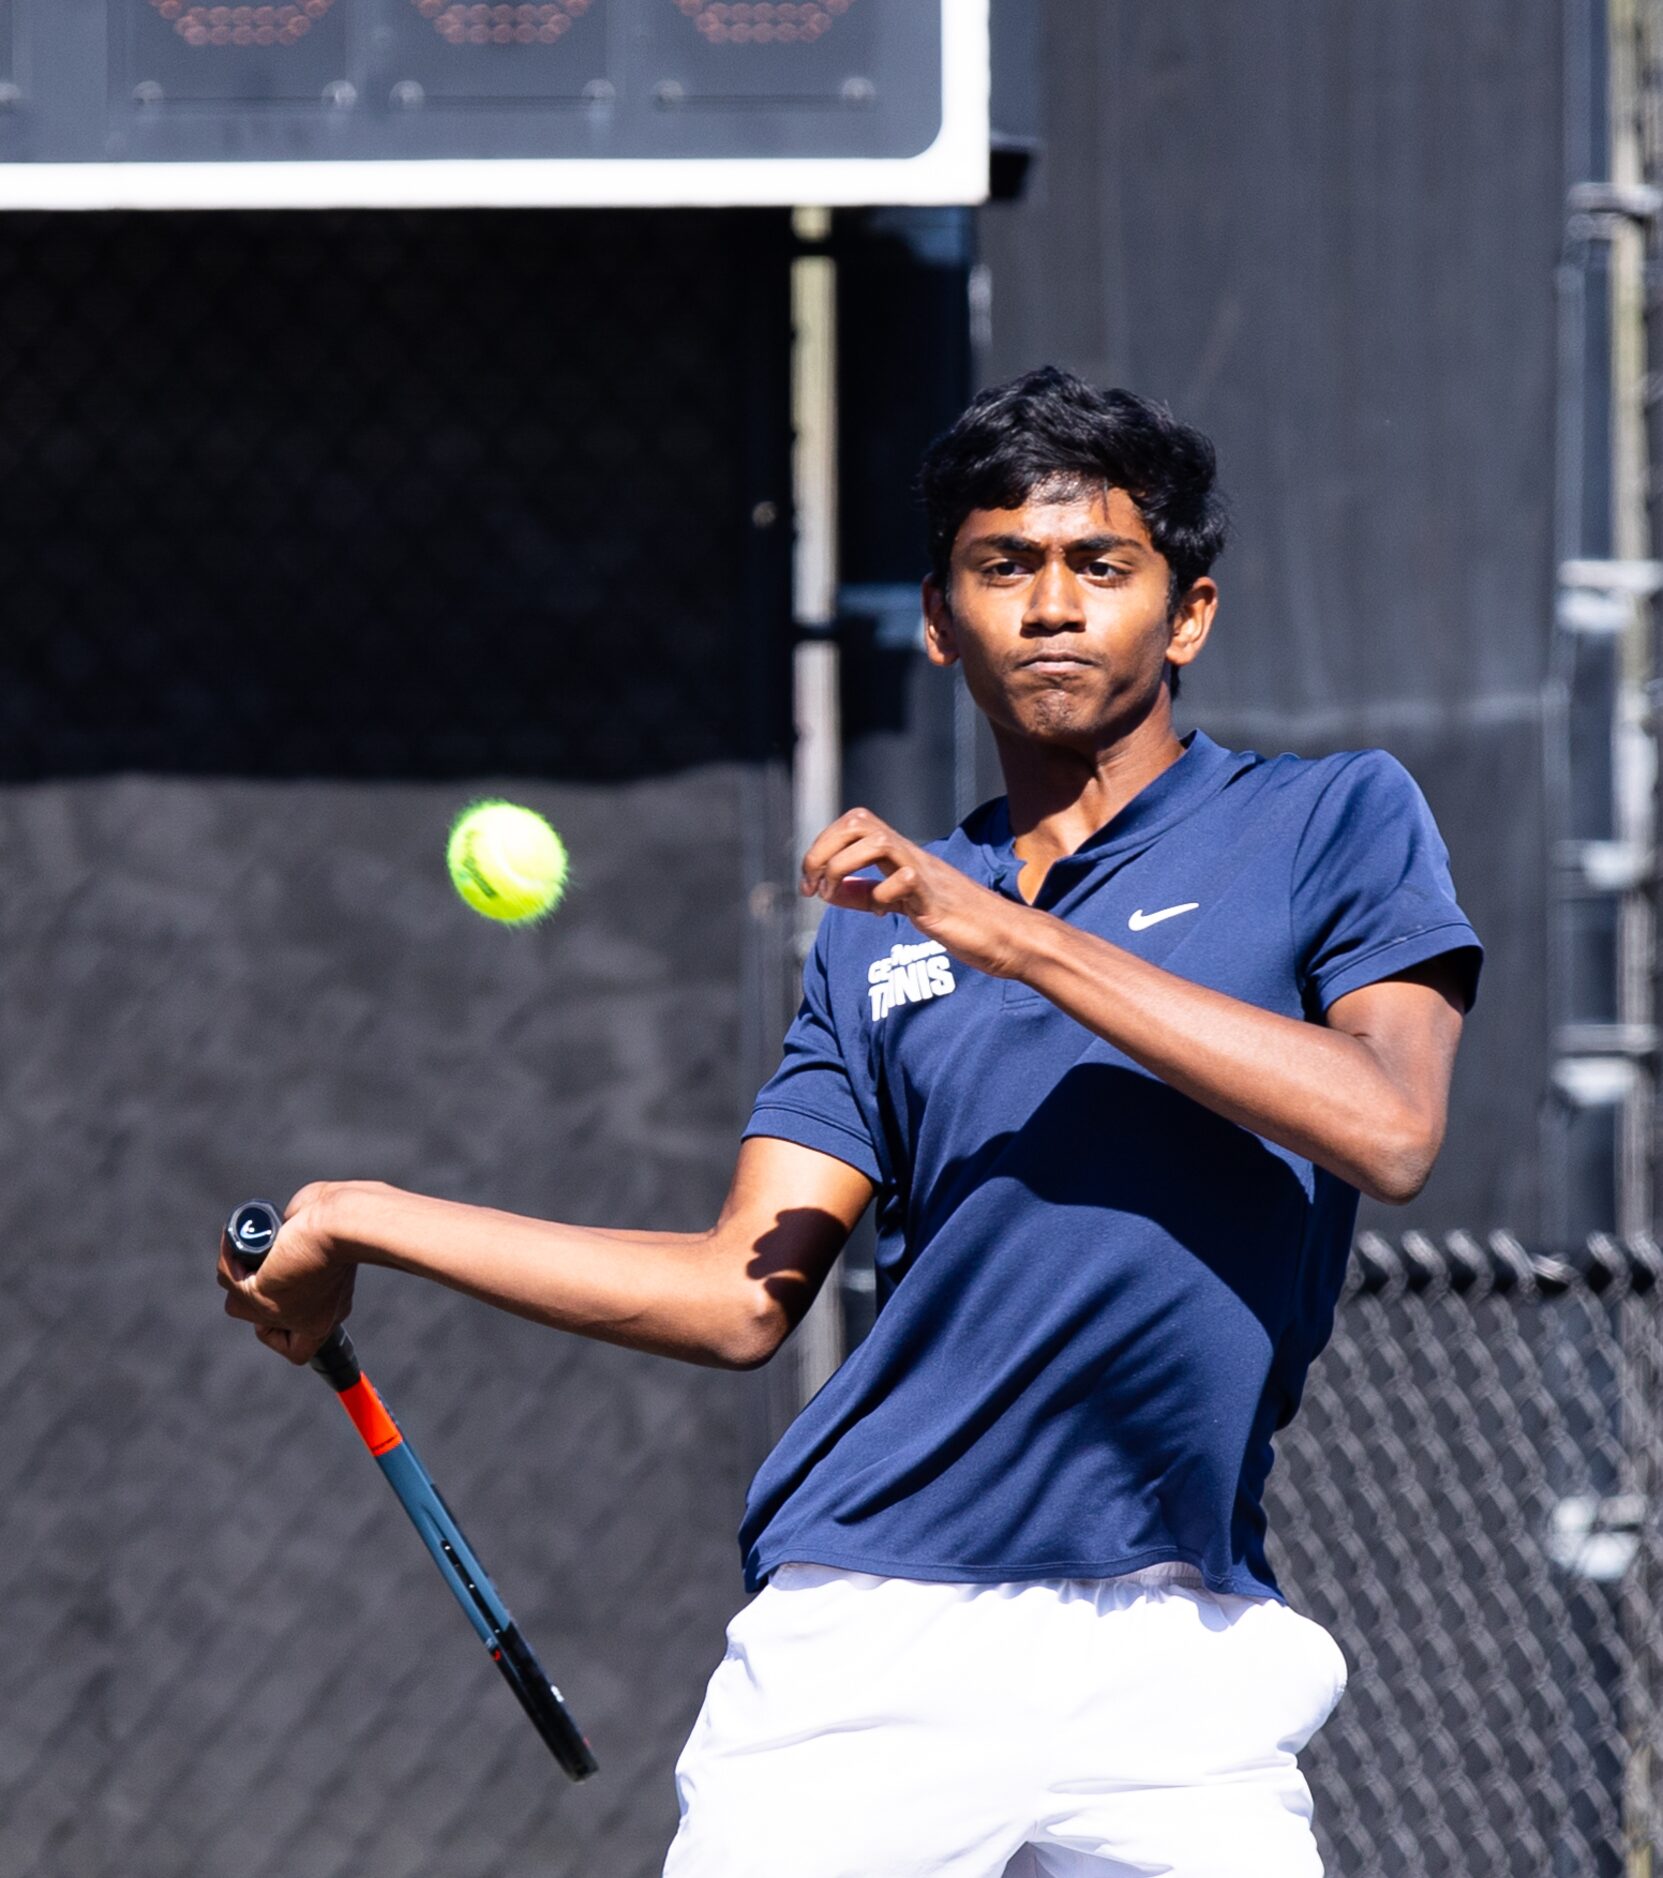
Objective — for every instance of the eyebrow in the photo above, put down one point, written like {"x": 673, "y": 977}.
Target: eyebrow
{"x": 1085, "y": 544}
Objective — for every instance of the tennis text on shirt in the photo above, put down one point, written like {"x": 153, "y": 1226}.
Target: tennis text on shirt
{"x": 909, "y": 975}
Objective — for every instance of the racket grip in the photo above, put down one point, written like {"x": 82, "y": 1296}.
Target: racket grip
{"x": 250, "y": 1232}
{"x": 337, "y": 1362}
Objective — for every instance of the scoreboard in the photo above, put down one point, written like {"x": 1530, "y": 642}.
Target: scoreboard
{"x": 301, "y": 103}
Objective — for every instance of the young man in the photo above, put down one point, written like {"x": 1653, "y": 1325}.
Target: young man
{"x": 1114, "y": 1060}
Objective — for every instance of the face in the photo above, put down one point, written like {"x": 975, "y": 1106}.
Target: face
{"x": 1059, "y": 613}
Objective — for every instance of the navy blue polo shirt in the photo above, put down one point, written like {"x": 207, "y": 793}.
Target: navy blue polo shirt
{"x": 1097, "y": 1299}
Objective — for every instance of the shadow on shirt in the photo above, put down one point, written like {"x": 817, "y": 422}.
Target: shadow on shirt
{"x": 1116, "y": 1168}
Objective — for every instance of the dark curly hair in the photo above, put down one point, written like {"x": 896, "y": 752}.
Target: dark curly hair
{"x": 1051, "y": 429}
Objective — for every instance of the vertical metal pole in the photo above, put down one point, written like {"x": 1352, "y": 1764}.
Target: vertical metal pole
{"x": 1606, "y": 773}
{"x": 817, "y": 774}
{"x": 1628, "y": 232}
{"x": 1643, "y": 161}
{"x": 1649, "y": 401}
{"x": 1634, "y": 751}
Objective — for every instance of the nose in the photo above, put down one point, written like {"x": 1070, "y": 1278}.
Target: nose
{"x": 1054, "y": 602}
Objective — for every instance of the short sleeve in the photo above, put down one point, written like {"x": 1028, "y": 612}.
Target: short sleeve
{"x": 1372, "y": 893}
{"x": 810, "y": 1099}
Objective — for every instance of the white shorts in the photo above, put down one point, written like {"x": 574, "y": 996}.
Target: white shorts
{"x": 865, "y": 1727}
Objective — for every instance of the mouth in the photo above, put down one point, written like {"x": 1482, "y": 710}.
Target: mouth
{"x": 1054, "y": 663}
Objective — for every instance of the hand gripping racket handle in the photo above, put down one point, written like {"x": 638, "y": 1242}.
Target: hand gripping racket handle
{"x": 252, "y": 1229}
{"x": 250, "y": 1232}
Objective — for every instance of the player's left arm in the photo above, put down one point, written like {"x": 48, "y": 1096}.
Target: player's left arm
{"x": 1364, "y": 1094}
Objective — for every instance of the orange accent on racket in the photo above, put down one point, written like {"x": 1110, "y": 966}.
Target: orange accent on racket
{"x": 370, "y": 1417}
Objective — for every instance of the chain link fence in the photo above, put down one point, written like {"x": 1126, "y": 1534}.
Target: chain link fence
{"x": 1466, "y": 1501}
{"x": 392, "y": 495}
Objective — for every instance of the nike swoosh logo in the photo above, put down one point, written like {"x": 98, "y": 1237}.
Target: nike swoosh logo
{"x": 1141, "y": 919}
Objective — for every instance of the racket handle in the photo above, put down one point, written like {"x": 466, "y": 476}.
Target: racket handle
{"x": 251, "y": 1232}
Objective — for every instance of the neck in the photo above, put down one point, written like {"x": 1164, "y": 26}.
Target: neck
{"x": 1058, "y": 797}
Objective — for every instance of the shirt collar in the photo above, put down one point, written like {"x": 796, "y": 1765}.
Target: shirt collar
{"x": 1204, "y": 768}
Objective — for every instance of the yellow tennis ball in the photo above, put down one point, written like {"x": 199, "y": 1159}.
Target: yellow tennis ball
{"x": 506, "y": 862}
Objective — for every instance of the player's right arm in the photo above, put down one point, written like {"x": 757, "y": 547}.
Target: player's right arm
{"x": 727, "y": 1297}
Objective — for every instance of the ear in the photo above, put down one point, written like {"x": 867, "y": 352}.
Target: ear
{"x": 941, "y": 644}
{"x": 1192, "y": 620}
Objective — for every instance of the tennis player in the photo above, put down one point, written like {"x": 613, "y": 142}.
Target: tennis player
{"x": 1113, "y": 1061}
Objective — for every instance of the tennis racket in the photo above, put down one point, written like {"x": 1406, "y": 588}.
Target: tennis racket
{"x": 250, "y": 1232}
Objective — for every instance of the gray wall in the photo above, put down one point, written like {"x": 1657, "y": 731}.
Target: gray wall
{"x": 1326, "y": 233}
{"x": 222, "y": 1649}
